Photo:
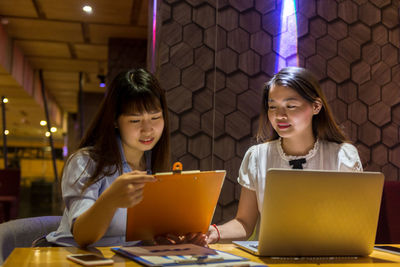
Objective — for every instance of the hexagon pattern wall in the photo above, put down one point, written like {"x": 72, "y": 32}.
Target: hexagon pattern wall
{"x": 214, "y": 57}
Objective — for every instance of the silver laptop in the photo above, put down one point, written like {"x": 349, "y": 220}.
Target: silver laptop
{"x": 318, "y": 213}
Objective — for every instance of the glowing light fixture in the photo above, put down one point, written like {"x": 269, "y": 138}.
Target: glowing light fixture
{"x": 43, "y": 123}
{"x": 102, "y": 79}
{"x": 53, "y": 129}
{"x": 5, "y": 100}
{"x": 6, "y": 132}
{"x": 287, "y": 39}
{"x": 47, "y": 134}
{"x": 88, "y": 9}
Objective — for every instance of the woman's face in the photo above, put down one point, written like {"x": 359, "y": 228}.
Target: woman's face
{"x": 140, "y": 132}
{"x": 289, "y": 113}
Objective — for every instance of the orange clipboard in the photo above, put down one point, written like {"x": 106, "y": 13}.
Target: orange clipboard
{"x": 178, "y": 203}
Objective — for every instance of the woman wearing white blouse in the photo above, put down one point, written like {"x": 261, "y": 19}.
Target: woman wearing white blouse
{"x": 296, "y": 130}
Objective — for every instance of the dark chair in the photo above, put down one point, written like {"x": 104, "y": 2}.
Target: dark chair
{"x": 22, "y": 232}
{"x": 389, "y": 218}
{"x": 9, "y": 193}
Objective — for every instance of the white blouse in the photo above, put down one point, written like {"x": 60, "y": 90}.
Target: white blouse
{"x": 324, "y": 156}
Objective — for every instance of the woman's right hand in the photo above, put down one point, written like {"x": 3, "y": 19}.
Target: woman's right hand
{"x": 127, "y": 190}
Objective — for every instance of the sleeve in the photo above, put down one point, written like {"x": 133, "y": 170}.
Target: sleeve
{"x": 248, "y": 169}
{"x": 76, "y": 173}
{"x": 348, "y": 158}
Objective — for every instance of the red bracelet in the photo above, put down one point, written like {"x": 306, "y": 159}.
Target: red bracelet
{"x": 219, "y": 235}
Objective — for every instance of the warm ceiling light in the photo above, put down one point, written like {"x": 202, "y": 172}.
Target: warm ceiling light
{"x": 6, "y": 132}
{"x": 87, "y": 9}
{"x": 5, "y": 100}
{"x": 43, "y": 123}
{"x": 47, "y": 134}
{"x": 53, "y": 129}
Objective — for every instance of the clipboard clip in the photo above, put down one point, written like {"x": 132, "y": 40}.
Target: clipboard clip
{"x": 177, "y": 167}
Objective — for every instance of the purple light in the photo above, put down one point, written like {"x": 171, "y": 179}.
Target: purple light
{"x": 102, "y": 84}
{"x": 287, "y": 40}
{"x": 65, "y": 151}
{"x": 153, "y": 67}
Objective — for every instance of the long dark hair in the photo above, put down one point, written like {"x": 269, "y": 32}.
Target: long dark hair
{"x": 135, "y": 90}
{"x": 304, "y": 83}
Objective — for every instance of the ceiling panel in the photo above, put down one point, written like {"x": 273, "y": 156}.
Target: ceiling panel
{"x": 20, "y": 8}
{"x": 44, "y": 49}
{"x": 57, "y": 37}
{"x": 142, "y": 14}
{"x": 44, "y": 30}
{"x": 61, "y": 76}
{"x": 88, "y": 51}
{"x": 104, "y": 11}
{"x": 62, "y": 86}
{"x": 99, "y": 34}
{"x": 64, "y": 64}
{"x": 8, "y": 80}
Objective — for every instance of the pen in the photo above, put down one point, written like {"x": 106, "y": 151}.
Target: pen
{"x": 147, "y": 155}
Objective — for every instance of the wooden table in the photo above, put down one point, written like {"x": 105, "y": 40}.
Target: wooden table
{"x": 56, "y": 256}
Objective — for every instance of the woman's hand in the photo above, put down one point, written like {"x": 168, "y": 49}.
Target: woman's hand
{"x": 127, "y": 190}
{"x": 199, "y": 239}
{"x": 212, "y": 235}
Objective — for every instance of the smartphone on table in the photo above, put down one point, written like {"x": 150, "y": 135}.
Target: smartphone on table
{"x": 389, "y": 249}
{"x": 89, "y": 259}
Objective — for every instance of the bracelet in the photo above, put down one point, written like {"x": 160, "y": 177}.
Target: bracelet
{"x": 219, "y": 235}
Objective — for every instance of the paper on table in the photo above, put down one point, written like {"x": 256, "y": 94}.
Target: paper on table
{"x": 169, "y": 250}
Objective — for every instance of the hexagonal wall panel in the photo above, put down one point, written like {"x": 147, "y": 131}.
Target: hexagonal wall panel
{"x": 213, "y": 123}
{"x": 181, "y": 55}
{"x": 348, "y": 11}
{"x": 261, "y": 42}
{"x": 227, "y": 60}
{"x": 237, "y": 125}
{"x": 228, "y": 19}
{"x": 358, "y": 112}
{"x": 380, "y": 155}
{"x": 179, "y": 99}
{"x": 193, "y": 35}
{"x": 238, "y": 40}
{"x": 249, "y": 62}
{"x": 238, "y": 82}
{"x": 182, "y": 13}
{"x": 349, "y": 49}
{"x": 204, "y": 16}
{"x": 225, "y": 147}
{"x": 380, "y": 73}
{"x": 270, "y": 22}
{"x": 169, "y": 76}
{"x": 347, "y": 92}
{"x": 390, "y": 135}
{"x": 369, "y": 14}
{"x": 369, "y": 93}
{"x": 250, "y": 21}
{"x": 338, "y": 69}
{"x": 179, "y": 143}
{"x": 200, "y": 146}
{"x": 360, "y": 32}
{"x": 369, "y": 134}
{"x": 190, "y": 123}
{"x": 203, "y": 100}
{"x": 193, "y": 78}
{"x": 379, "y": 114}
{"x": 338, "y": 30}
{"x": 327, "y": 47}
